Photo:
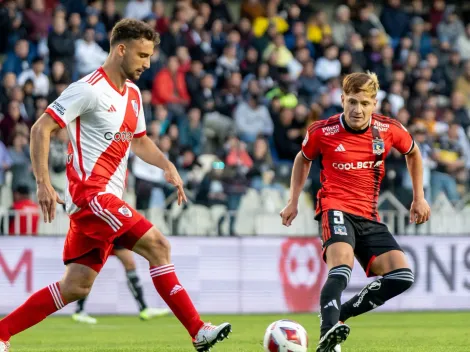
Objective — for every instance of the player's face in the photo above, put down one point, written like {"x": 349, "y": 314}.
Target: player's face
{"x": 136, "y": 58}
{"x": 358, "y": 109}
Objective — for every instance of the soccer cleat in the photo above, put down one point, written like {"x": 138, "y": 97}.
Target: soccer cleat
{"x": 209, "y": 335}
{"x": 83, "y": 317}
{"x": 4, "y": 346}
{"x": 149, "y": 313}
{"x": 334, "y": 337}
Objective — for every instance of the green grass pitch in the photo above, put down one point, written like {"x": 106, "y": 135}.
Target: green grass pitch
{"x": 375, "y": 332}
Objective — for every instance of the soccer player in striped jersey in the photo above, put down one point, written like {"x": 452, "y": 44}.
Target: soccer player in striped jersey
{"x": 352, "y": 148}
{"x": 104, "y": 118}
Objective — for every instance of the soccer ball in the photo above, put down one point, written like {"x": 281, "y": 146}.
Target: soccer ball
{"x": 285, "y": 336}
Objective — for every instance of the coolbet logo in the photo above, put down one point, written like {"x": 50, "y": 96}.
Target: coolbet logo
{"x": 330, "y": 130}
{"x": 358, "y": 165}
{"x": 24, "y": 264}
{"x": 302, "y": 273}
{"x": 124, "y": 136}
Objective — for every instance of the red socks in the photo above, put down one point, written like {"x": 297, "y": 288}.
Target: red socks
{"x": 167, "y": 284}
{"x": 41, "y": 304}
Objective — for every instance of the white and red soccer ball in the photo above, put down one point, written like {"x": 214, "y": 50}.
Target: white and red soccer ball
{"x": 285, "y": 336}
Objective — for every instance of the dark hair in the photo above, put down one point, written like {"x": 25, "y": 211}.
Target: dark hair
{"x": 130, "y": 29}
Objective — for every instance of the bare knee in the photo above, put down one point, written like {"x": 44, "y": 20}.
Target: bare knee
{"x": 339, "y": 253}
{"x": 155, "y": 247}
{"x": 77, "y": 282}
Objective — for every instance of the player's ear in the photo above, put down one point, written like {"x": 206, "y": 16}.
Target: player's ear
{"x": 342, "y": 100}
{"x": 121, "y": 49}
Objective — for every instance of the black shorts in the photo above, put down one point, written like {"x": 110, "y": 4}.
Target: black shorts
{"x": 368, "y": 238}
{"x": 118, "y": 247}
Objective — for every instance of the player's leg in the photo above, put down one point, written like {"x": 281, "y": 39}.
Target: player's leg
{"x": 126, "y": 257}
{"x": 80, "y": 316}
{"x": 156, "y": 249}
{"x": 338, "y": 237}
{"x": 75, "y": 284}
{"x": 380, "y": 255}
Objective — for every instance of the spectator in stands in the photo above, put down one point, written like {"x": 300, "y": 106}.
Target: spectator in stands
{"x": 328, "y": 66}
{"x": 172, "y": 38}
{"x": 88, "y": 54}
{"x": 342, "y": 27}
{"x": 261, "y": 174}
{"x": 93, "y": 21}
{"x": 450, "y": 165}
{"x": 463, "y": 43}
{"x": 5, "y": 164}
{"x": 8, "y": 83}
{"x": 138, "y": 9}
{"x": 61, "y": 44}
{"x": 462, "y": 84}
{"x": 12, "y": 122}
{"x": 395, "y": 21}
{"x": 109, "y": 17}
{"x": 20, "y": 59}
{"x": 21, "y": 162}
{"x": 252, "y": 118}
{"x": 38, "y": 20}
{"x": 37, "y": 76}
{"x": 169, "y": 88}
{"x": 451, "y": 27}
{"x": 24, "y": 220}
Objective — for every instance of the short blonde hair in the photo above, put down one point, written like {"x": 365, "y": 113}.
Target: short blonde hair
{"x": 361, "y": 82}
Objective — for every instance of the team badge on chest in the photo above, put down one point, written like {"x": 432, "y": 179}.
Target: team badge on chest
{"x": 135, "y": 106}
{"x": 378, "y": 146}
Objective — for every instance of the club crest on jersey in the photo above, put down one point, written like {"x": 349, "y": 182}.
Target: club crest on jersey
{"x": 135, "y": 107}
{"x": 378, "y": 146}
{"x": 125, "y": 211}
{"x": 340, "y": 230}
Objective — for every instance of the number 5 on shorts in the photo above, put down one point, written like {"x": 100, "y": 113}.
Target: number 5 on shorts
{"x": 338, "y": 217}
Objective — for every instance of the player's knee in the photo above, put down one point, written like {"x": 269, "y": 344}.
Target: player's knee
{"x": 158, "y": 249}
{"x": 73, "y": 291}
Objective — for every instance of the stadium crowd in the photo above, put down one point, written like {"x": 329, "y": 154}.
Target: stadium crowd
{"x": 244, "y": 91}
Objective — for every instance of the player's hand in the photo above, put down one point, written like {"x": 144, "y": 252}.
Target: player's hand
{"x": 289, "y": 213}
{"x": 172, "y": 176}
{"x": 419, "y": 211}
{"x": 47, "y": 198}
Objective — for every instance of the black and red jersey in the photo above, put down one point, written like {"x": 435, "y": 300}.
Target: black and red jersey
{"x": 352, "y": 161}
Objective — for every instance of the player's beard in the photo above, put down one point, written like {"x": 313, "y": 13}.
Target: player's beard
{"x": 130, "y": 73}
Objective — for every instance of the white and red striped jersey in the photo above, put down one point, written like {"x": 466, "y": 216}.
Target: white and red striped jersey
{"x": 101, "y": 122}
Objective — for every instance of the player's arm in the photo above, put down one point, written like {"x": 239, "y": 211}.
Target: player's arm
{"x": 39, "y": 147}
{"x": 404, "y": 143}
{"x": 300, "y": 170}
{"x": 146, "y": 150}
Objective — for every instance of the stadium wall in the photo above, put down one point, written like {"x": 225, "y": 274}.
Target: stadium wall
{"x": 241, "y": 275}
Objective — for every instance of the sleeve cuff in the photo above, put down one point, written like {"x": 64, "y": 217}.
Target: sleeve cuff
{"x": 411, "y": 148}
{"x": 140, "y": 134}
{"x": 303, "y": 154}
{"x": 56, "y": 117}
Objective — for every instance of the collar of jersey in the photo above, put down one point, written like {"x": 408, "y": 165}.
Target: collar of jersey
{"x": 124, "y": 90}
{"x": 351, "y": 130}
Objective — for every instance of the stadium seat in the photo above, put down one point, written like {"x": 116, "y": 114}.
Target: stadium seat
{"x": 195, "y": 220}
{"x": 157, "y": 217}
{"x": 219, "y": 214}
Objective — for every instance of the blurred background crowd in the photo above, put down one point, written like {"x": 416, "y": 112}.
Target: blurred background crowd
{"x": 234, "y": 85}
